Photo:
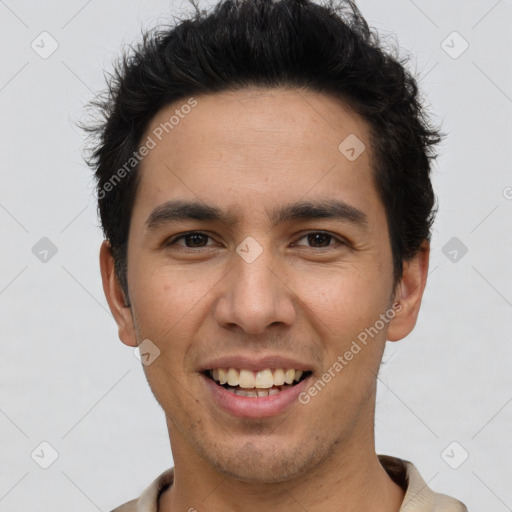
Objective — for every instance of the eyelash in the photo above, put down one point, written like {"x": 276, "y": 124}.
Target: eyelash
{"x": 192, "y": 249}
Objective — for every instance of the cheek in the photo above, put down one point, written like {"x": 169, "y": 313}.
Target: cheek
{"x": 344, "y": 299}
{"x": 167, "y": 298}
{"x": 342, "y": 307}
{"x": 167, "y": 305}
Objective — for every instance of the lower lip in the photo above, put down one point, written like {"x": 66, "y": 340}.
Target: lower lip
{"x": 254, "y": 407}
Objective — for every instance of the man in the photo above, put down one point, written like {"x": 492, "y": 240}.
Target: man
{"x": 263, "y": 186}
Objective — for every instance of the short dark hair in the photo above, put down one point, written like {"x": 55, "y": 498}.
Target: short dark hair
{"x": 284, "y": 43}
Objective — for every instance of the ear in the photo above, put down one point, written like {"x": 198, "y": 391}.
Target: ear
{"x": 115, "y": 297}
{"x": 408, "y": 294}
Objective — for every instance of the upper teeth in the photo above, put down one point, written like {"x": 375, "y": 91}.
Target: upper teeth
{"x": 249, "y": 379}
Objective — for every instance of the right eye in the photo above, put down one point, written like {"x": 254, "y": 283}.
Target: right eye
{"x": 192, "y": 239}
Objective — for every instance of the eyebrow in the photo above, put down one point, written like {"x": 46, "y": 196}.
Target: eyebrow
{"x": 177, "y": 210}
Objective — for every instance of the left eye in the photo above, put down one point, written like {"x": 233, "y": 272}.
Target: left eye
{"x": 320, "y": 238}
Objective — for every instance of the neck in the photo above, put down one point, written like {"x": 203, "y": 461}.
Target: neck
{"x": 351, "y": 479}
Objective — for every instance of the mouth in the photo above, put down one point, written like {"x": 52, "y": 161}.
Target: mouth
{"x": 256, "y": 384}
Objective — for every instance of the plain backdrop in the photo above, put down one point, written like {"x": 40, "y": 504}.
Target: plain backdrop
{"x": 445, "y": 392}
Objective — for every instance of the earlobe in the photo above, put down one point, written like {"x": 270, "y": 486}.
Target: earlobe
{"x": 408, "y": 294}
{"x": 115, "y": 296}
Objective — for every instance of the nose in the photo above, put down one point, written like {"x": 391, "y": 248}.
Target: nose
{"x": 255, "y": 296}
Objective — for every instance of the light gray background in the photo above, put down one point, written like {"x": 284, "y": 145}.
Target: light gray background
{"x": 66, "y": 379}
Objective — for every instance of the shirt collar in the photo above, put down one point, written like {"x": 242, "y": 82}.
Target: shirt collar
{"x": 418, "y": 495}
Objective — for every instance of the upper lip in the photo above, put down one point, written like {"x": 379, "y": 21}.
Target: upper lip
{"x": 247, "y": 362}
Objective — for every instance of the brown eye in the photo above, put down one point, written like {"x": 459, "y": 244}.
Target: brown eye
{"x": 192, "y": 240}
{"x": 319, "y": 240}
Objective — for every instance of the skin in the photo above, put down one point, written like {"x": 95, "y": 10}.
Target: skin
{"x": 247, "y": 152}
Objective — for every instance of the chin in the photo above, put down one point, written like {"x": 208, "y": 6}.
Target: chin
{"x": 260, "y": 462}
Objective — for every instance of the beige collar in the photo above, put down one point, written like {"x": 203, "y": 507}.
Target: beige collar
{"x": 418, "y": 497}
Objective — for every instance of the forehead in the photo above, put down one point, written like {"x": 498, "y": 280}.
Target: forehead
{"x": 253, "y": 148}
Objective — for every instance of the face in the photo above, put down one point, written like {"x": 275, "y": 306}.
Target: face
{"x": 280, "y": 264}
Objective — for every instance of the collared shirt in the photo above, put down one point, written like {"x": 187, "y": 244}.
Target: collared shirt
{"x": 418, "y": 496}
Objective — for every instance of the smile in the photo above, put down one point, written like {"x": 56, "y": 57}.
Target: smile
{"x": 253, "y": 384}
